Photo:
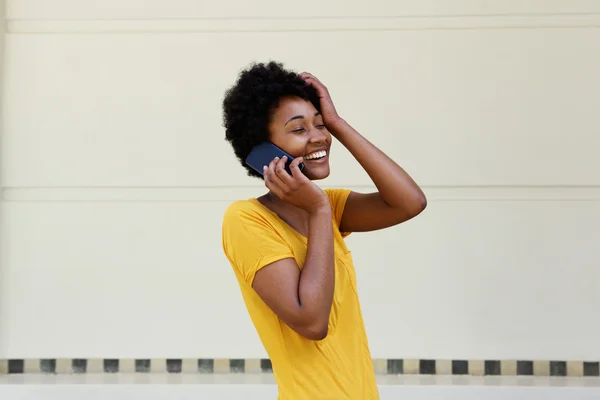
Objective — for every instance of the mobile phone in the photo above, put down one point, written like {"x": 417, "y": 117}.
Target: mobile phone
{"x": 264, "y": 153}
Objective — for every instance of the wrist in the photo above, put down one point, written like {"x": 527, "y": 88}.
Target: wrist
{"x": 336, "y": 125}
{"x": 334, "y": 119}
{"x": 321, "y": 209}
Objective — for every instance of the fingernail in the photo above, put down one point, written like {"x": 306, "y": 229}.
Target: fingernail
{"x": 284, "y": 158}
{"x": 264, "y": 168}
{"x": 276, "y": 158}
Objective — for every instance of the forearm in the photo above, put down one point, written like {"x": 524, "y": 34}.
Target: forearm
{"x": 316, "y": 283}
{"x": 396, "y": 188}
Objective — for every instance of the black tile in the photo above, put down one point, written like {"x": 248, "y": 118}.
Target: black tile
{"x": 16, "y": 366}
{"x": 48, "y": 366}
{"x": 591, "y": 369}
{"x": 111, "y": 366}
{"x": 427, "y": 367}
{"x": 236, "y": 366}
{"x": 174, "y": 366}
{"x": 395, "y": 366}
{"x": 558, "y": 368}
{"x": 460, "y": 367}
{"x": 524, "y": 367}
{"x": 265, "y": 365}
{"x": 79, "y": 365}
{"x": 492, "y": 367}
{"x": 206, "y": 365}
{"x": 143, "y": 366}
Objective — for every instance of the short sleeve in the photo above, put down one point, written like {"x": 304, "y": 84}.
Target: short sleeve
{"x": 337, "y": 199}
{"x": 250, "y": 241}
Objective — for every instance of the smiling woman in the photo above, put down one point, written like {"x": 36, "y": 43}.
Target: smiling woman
{"x": 287, "y": 247}
{"x": 304, "y": 134}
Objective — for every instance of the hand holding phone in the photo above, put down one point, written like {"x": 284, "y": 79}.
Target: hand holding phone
{"x": 294, "y": 188}
{"x": 266, "y": 152}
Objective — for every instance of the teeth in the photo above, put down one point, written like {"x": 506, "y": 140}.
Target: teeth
{"x": 315, "y": 155}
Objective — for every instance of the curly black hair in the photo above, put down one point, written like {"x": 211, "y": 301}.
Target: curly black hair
{"x": 248, "y": 104}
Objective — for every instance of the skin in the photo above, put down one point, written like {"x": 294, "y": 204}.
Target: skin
{"x": 303, "y": 298}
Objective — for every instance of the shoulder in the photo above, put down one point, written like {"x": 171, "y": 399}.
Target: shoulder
{"x": 337, "y": 198}
{"x": 239, "y": 208}
{"x": 250, "y": 235}
{"x": 241, "y": 222}
{"x": 240, "y": 211}
{"x": 337, "y": 193}
{"x": 246, "y": 215}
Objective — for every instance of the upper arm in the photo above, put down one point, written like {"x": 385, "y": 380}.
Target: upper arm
{"x": 368, "y": 212}
{"x": 277, "y": 285}
{"x": 266, "y": 262}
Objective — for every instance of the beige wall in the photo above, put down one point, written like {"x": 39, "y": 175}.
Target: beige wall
{"x": 115, "y": 172}
{"x": 3, "y": 297}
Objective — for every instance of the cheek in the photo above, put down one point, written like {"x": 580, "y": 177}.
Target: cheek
{"x": 297, "y": 147}
{"x": 293, "y": 145}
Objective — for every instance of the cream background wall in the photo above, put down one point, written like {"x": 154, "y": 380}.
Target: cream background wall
{"x": 115, "y": 172}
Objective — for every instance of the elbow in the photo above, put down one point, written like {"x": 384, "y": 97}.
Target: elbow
{"x": 312, "y": 324}
{"x": 418, "y": 206}
{"x": 313, "y": 330}
{"x": 316, "y": 333}
{"x": 411, "y": 206}
{"x": 422, "y": 203}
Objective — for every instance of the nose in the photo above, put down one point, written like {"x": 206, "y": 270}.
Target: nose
{"x": 318, "y": 136}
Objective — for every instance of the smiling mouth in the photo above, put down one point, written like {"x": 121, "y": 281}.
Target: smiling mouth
{"x": 315, "y": 155}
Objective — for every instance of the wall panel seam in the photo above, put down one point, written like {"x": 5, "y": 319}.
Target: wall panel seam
{"x": 231, "y": 193}
{"x": 304, "y": 24}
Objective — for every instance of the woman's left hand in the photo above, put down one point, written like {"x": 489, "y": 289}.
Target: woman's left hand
{"x": 328, "y": 111}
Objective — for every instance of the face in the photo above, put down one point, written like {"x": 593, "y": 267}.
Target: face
{"x": 297, "y": 128}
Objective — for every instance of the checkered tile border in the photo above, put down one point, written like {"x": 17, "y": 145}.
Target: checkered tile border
{"x": 219, "y": 366}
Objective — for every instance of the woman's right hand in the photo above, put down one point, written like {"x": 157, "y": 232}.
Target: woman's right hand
{"x": 295, "y": 189}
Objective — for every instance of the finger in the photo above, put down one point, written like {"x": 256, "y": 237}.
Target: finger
{"x": 319, "y": 87}
{"x": 273, "y": 175}
{"x": 309, "y": 76}
{"x": 266, "y": 177}
{"x": 315, "y": 85}
{"x": 287, "y": 181}
{"x": 272, "y": 186}
{"x": 294, "y": 167}
{"x": 285, "y": 176}
{"x": 280, "y": 168}
{"x": 309, "y": 79}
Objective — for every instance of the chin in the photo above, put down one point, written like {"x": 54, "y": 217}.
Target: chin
{"x": 317, "y": 174}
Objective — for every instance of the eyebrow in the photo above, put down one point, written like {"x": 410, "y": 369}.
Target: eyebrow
{"x": 299, "y": 117}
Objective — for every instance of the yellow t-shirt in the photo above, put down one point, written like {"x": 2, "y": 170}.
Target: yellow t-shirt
{"x": 337, "y": 367}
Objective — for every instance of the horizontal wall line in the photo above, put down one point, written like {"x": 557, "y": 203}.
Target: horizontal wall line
{"x": 219, "y": 194}
{"x": 187, "y": 8}
{"x": 374, "y": 23}
{"x": 303, "y": 17}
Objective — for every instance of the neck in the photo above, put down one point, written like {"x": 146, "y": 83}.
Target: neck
{"x": 281, "y": 205}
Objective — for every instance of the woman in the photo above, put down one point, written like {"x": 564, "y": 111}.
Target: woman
{"x": 287, "y": 247}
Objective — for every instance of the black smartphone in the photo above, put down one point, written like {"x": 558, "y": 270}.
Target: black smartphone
{"x": 264, "y": 153}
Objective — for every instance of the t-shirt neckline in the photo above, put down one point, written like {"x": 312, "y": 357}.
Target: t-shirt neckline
{"x": 275, "y": 215}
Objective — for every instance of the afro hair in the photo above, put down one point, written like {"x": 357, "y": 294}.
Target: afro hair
{"x": 248, "y": 105}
